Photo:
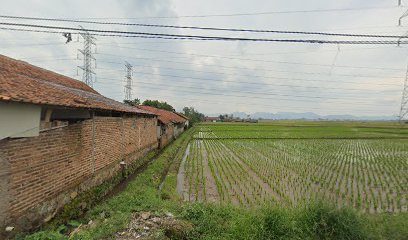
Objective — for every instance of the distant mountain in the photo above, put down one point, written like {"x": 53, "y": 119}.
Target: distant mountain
{"x": 286, "y": 115}
{"x": 308, "y": 116}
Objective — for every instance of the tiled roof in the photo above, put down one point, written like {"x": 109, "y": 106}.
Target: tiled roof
{"x": 23, "y": 82}
{"x": 182, "y": 115}
{"x": 164, "y": 116}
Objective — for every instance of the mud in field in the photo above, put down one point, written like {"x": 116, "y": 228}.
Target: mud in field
{"x": 207, "y": 190}
{"x": 211, "y": 187}
{"x": 265, "y": 186}
{"x": 181, "y": 189}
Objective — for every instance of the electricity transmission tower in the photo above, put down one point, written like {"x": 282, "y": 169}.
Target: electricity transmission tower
{"x": 88, "y": 58}
{"x": 404, "y": 100}
{"x": 128, "y": 86}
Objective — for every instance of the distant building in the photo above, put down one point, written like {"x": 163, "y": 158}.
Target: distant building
{"x": 212, "y": 119}
{"x": 229, "y": 119}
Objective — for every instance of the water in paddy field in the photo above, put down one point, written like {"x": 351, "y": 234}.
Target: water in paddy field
{"x": 181, "y": 174}
{"x": 368, "y": 174}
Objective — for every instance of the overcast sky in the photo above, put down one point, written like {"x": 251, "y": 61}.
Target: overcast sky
{"x": 218, "y": 77}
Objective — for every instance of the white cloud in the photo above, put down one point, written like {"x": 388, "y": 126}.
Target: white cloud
{"x": 314, "y": 92}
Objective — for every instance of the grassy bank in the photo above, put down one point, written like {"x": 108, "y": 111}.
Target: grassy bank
{"x": 211, "y": 221}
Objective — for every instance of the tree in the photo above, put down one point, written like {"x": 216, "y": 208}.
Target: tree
{"x": 133, "y": 102}
{"x": 158, "y": 104}
{"x": 193, "y": 115}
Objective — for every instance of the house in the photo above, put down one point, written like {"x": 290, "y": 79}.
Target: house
{"x": 187, "y": 122}
{"x": 170, "y": 124}
{"x": 212, "y": 119}
{"x": 59, "y": 138}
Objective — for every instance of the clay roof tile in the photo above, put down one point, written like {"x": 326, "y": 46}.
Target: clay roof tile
{"x": 23, "y": 82}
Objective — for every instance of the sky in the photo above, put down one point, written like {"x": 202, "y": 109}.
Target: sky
{"x": 225, "y": 77}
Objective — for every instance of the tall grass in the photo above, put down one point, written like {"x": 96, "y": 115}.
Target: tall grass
{"x": 313, "y": 221}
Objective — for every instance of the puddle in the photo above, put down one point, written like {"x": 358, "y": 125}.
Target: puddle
{"x": 181, "y": 173}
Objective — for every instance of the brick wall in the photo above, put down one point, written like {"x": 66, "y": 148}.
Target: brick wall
{"x": 178, "y": 129}
{"x": 168, "y": 136}
{"x": 48, "y": 171}
{"x": 4, "y": 183}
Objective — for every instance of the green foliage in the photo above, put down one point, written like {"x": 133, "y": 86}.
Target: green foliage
{"x": 387, "y": 226}
{"x": 168, "y": 190}
{"x": 46, "y": 235}
{"x": 324, "y": 221}
{"x": 313, "y": 221}
{"x": 158, "y": 104}
{"x": 74, "y": 223}
{"x": 278, "y": 224}
{"x": 309, "y": 130}
{"x": 133, "y": 102}
{"x": 209, "y": 221}
{"x": 193, "y": 115}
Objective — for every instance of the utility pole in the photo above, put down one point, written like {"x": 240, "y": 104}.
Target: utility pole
{"x": 128, "y": 86}
{"x": 88, "y": 58}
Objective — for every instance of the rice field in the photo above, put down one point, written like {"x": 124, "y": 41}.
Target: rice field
{"x": 364, "y": 166}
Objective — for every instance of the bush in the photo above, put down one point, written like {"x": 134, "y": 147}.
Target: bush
{"x": 324, "y": 221}
{"x": 46, "y": 235}
{"x": 278, "y": 224}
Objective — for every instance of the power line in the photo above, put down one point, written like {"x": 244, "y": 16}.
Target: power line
{"x": 169, "y": 87}
{"x": 284, "y": 78}
{"x": 262, "y": 85}
{"x": 242, "y": 68}
{"x": 205, "y": 28}
{"x": 246, "y": 103}
{"x": 57, "y": 59}
{"x": 252, "y": 83}
{"x": 232, "y": 58}
{"x": 169, "y": 41}
{"x": 323, "y": 88}
{"x": 259, "y": 97}
{"x": 99, "y": 32}
{"x": 211, "y": 92}
{"x": 239, "y": 68}
{"x": 259, "y": 54}
{"x": 266, "y": 61}
{"x": 242, "y": 75}
{"x": 253, "y": 13}
{"x": 257, "y": 93}
{"x": 184, "y": 99}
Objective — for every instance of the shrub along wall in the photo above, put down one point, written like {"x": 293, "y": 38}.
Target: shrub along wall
{"x": 43, "y": 173}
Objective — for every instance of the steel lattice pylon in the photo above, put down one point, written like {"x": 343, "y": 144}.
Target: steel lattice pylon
{"x": 88, "y": 58}
{"x": 403, "y": 116}
{"x": 128, "y": 86}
